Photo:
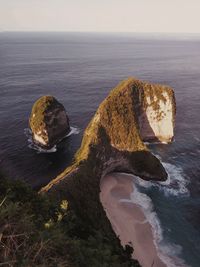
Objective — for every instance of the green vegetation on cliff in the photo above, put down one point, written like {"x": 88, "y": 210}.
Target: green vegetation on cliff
{"x": 111, "y": 142}
{"x": 113, "y": 134}
{"x": 38, "y": 230}
{"x": 39, "y": 110}
{"x": 81, "y": 235}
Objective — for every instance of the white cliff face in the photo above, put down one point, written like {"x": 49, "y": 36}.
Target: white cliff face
{"x": 157, "y": 118}
{"x": 41, "y": 137}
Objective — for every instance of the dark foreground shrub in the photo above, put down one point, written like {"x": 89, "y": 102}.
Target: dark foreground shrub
{"x": 36, "y": 230}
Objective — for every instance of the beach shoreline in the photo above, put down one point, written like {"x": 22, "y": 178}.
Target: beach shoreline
{"x": 128, "y": 220}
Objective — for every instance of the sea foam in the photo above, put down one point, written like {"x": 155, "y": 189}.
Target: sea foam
{"x": 167, "y": 252}
{"x": 176, "y": 185}
{"x": 34, "y": 146}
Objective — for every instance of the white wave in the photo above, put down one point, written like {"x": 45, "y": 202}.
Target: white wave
{"x": 42, "y": 150}
{"x": 175, "y": 185}
{"x": 159, "y": 142}
{"x": 168, "y": 253}
{"x": 73, "y": 130}
{"x": 155, "y": 143}
{"x": 34, "y": 146}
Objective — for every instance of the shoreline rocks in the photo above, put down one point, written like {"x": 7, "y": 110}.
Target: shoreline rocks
{"x": 48, "y": 121}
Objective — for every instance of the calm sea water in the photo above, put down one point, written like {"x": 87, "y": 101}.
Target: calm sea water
{"x": 79, "y": 70}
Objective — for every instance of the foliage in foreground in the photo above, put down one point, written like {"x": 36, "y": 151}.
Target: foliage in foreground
{"x": 35, "y": 230}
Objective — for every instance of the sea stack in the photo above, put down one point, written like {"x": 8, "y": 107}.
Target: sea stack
{"x": 133, "y": 112}
{"x": 113, "y": 141}
{"x": 48, "y": 121}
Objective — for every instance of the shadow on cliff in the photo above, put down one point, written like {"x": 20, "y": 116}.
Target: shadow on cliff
{"x": 111, "y": 143}
{"x": 80, "y": 183}
{"x": 146, "y": 132}
{"x": 146, "y": 127}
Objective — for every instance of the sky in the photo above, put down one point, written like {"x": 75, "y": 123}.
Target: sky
{"x": 170, "y": 16}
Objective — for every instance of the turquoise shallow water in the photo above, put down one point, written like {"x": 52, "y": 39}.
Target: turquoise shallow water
{"x": 80, "y": 70}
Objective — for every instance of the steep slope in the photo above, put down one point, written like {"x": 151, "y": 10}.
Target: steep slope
{"x": 48, "y": 121}
{"x": 115, "y": 134}
{"x": 113, "y": 141}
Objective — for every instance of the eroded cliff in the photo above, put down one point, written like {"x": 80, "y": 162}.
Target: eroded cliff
{"x": 48, "y": 121}
{"x": 113, "y": 141}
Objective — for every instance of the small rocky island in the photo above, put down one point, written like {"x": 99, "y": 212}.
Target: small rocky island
{"x": 48, "y": 121}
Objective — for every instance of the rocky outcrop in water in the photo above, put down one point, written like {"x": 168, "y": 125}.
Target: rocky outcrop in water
{"x": 113, "y": 140}
{"x": 48, "y": 121}
{"x": 133, "y": 112}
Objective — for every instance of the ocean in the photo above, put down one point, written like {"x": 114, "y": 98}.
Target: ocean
{"x": 80, "y": 69}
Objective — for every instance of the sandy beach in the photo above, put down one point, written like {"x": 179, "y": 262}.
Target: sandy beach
{"x": 128, "y": 220}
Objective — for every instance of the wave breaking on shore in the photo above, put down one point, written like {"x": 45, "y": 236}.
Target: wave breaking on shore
{"x": 34, "y": 146}
{"x": 169, "y": 253}
{"x": 176, "y": 185}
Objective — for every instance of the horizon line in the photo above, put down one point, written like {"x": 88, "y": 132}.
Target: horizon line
{"x": 90, "y": 31}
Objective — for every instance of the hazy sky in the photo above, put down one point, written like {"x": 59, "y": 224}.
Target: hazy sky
{"x": 101, "y": 15}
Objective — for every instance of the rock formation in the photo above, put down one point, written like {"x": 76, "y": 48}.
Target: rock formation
{"x": 48, "y": 121}
{"x": 156, "y": 108}
{"x": 132, "y": 113}
{"x": 113, "y": 141}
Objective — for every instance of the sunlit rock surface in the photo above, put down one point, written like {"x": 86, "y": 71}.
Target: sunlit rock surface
{"x": 133, "y": 112}
{"x": 48, "y": 121}
{"x": 156, "y": 116}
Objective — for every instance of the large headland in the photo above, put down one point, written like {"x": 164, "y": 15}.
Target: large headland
{"x": 114, "y": 141}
